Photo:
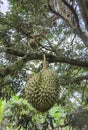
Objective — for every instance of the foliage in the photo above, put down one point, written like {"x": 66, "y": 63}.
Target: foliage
{"x": 17, "y": 112}
{"x": 2, "y": 107}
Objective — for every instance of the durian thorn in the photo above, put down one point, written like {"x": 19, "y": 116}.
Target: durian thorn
{"x": 44, "y": 62}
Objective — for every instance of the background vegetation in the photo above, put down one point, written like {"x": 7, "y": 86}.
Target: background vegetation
{"x": 28, "y": 30}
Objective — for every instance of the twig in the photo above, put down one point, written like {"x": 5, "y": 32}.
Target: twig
{"x": 18, "y": 128}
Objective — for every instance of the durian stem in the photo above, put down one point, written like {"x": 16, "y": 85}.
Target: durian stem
{"x": 44, "y": 62}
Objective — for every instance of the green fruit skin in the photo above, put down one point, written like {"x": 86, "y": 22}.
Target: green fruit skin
{"x": 42, "y": 90}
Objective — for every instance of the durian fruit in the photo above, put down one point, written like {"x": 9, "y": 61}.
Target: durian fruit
{"x": 42, "y": 89}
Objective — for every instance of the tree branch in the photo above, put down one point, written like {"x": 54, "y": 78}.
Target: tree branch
{"x": 57, "y": 13}
{"x": 77, "y": 30}
{"x": 73, "y": 11}
{"x": 4, "y": 71}
{"x": 76, "y": 80}
{"x": 12, "y": 51}
{"x": 82, "y": 36}
{"x": 83, "y": 5}
{"x": 81, "y": 78}
{"x": 51, "y": 58}
{"x": 32, "y": 56}
{"x": 11, "y": 69}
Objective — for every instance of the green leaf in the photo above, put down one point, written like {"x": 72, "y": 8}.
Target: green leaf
{"x": 2, "y": 107}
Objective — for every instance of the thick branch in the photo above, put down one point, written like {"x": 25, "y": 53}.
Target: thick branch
{"x": 12, "y": 51}
{"x": 82, "y": 35}
{"x": 73, "y": 11}
{"x": 81, "y": 78}
{"x": 57, "y": 13}
{"x": 84, "y": 12}
{"x": 83, "y": 5}
{"x": 76, "y": 30}
{"x": 76, "y": 80}
{"x": 51, "y": 58}
{"x": 4, "y": 71}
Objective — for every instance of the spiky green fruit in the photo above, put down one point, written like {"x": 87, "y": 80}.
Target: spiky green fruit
{"x": 42, "y": 90}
